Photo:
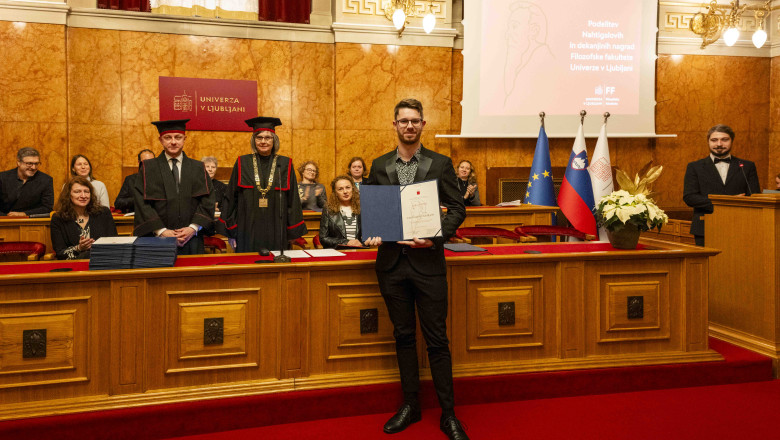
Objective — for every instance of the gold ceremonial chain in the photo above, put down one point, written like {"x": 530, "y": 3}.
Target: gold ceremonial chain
{"x": 263, "y": 202}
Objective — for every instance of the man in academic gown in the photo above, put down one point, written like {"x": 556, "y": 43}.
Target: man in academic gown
{"x": 718, "y": 173}
{"x": 124, "y": 200}
{"x": 173, "y": 195}
{"x": 413, "y": 274}
{"x": 24, "y": 190}
{"x": 260, "y": 182}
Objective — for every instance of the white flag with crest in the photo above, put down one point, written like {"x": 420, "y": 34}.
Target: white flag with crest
{"x": 601, "y": 173}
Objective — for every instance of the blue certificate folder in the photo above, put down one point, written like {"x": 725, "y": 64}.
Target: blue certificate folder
{"x": 381, "y": 213}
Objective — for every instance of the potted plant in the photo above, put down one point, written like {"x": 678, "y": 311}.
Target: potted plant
{"x": 629, "y": 211}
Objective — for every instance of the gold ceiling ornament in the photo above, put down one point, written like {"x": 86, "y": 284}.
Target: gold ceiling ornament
{"x": 398, "y": 11}
{"x": 710, "y": 25}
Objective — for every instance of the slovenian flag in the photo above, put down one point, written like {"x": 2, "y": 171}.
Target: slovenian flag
{"x": 541, "y": 190}
{"x": 576, "y": 195}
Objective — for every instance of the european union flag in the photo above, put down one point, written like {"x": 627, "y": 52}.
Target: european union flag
{"x": 540, "y": 183}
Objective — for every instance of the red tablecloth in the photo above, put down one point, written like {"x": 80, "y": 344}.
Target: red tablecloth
{"x": 228, "y": 259}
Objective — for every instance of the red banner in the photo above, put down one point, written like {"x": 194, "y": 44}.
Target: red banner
{"x": 211, "y": 104}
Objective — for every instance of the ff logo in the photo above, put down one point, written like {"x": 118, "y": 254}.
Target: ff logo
{"x": 605, "y": 90}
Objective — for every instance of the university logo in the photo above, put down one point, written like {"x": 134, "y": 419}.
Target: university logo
{"x": 183, "y": 102}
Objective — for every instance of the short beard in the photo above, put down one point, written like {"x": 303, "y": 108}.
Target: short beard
{"x": 402, "y": 140}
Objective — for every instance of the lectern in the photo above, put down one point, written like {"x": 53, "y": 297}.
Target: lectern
{"x": 744, "y": 286}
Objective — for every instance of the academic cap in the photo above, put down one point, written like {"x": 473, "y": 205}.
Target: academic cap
{"x": 174, "y": 125}
{"x": 263, "y": 123}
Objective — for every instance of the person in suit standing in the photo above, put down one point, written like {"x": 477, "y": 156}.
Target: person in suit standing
{"x": 718, "y": 173}
{"x": 124, "y": 200}
{"x": 173, "y": 195}
{"x": 24, "y": 190}
{"x": 414, "y": 272}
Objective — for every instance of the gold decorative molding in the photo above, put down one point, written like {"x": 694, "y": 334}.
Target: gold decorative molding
{"x": 675, "y": 21}
{"x": 376, "y": 7}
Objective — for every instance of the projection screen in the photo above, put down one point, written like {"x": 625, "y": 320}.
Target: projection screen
{"x": 522, "y": 57}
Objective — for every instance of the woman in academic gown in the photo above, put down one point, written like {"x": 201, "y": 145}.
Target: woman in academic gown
{"x": 79, "y": 220}
{"x": 260, "y": 181}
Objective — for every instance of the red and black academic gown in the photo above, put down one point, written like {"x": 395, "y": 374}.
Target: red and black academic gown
{"x": 256, "y": 228}
{"x": 159, "y": 205}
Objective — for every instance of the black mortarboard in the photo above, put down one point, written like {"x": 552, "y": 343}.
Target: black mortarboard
{"x": 263, "y": 123}
{"x": 174, "y": 125}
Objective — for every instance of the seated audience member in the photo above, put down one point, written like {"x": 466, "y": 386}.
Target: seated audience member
{"x": 124, "y": 201}
{"x": 467, "y": 183}
{"x": 340, "y": 222}
{"x": 81, "y": 166}
{"x": 312, "y": 193}
{"x": 777, "y": 182}
{"x": 357, "y": 170}
{"x": 211, "y": 164}
{"x": 24, "y": 189}
{"x": 79, "y": 220}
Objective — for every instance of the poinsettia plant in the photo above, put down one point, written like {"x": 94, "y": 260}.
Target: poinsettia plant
{"x": 632, "y": 204}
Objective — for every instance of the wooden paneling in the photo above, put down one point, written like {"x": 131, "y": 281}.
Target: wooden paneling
{"x": 148, "y": 336}
{"x": 744, "y": 303}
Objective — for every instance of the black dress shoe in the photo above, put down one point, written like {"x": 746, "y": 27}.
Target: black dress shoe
{"x": 405, "y": 416}
{"x": 451, "y": 427}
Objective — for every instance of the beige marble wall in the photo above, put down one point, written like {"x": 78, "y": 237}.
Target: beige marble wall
{"x": 78, "y": 90}
{"x": 33, "y": 98}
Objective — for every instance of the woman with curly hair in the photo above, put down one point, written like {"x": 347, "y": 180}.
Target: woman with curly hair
{"x": 340, "y": 222}
{"x": 467, "y": 183}
{"x": 79, "y": 220}
{"x": 311, "y": 192}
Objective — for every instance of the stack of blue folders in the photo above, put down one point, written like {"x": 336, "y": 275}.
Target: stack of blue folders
{"x": 154, "y": 252}
{"x": 112, "y": 253}
{"x": 132, "y": 252}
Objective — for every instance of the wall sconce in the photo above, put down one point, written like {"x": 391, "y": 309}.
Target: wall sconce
{"x": 398, "y": 11}
{"x": 711, "y": 24}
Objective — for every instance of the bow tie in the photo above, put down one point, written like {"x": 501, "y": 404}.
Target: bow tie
{"x": 726, "y": 160}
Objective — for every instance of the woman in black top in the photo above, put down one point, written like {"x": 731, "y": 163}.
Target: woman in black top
{"x": 340, "y": 222}
{"x": 467, "y": 183}
{"x": 79, "y": 220}
{"x": 311, "y": 192}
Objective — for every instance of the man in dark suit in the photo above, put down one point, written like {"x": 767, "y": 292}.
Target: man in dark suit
{"x": 414, "y": 272}
{"x": 173, "y": 195}
{"x": 719, "y": 173}
{"x": 124, "y": 200}
{"x": 25, "y": 190}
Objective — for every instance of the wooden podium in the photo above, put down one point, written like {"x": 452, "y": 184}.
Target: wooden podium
{"x": 744, "y": 304}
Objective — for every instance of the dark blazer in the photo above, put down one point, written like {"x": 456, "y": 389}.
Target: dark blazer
{"x": 333, "y": 231}
{"x": 158, "y": 203}
{"x": 702, "y": 179}
{"x": 66, "y": 233}
{"x": 36, "y": 196}
{"x": 124, "y": 200}
{"x": 427, "y": 261}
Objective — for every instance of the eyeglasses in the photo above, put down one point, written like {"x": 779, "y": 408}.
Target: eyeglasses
{"x": 265, "y": 138}
{"x": 30, "y": 164}
{"x": 406, "y": 122}
{"x": 310, "y": 169}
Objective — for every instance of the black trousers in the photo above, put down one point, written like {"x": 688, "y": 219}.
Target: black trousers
{"x": 403, "y": 289}
{"x": 699, "y": 240}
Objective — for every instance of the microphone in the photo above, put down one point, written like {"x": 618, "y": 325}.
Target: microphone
{"x": 281, "y": 258}
{"x": 742, "y": 168}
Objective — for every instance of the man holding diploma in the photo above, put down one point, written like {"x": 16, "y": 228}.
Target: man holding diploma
{"x": 414, "y": 271}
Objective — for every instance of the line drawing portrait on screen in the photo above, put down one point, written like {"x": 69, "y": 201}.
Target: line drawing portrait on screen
{"x": 526, "y": 40}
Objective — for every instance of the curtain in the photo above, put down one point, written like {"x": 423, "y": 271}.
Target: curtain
{"x": 290, "y": 11}
{"x": 125, "y": 5}
{"x": 235, "y": 9}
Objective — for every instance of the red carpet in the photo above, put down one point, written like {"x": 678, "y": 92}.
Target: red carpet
{"x": 742, "y": 411}
{"x": 375, "y": 402}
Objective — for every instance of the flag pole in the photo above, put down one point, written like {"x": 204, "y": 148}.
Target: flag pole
{"x": 541, "y": 116}
{"x": 606, "y": 116}
{"x": 582, "y": 116}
